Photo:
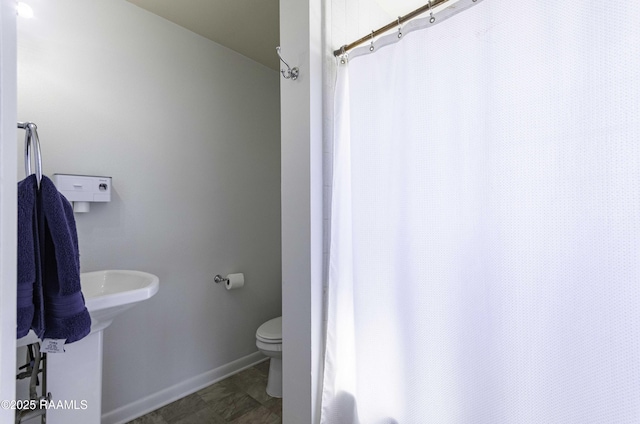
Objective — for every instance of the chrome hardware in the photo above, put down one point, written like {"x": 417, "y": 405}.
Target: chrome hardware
{"x": 31, "y": 135}
{"x": 219, "y": 279}
{"x": 290, "y": 73}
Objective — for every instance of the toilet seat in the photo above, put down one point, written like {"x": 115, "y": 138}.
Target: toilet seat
{"x": 270, "y": 332}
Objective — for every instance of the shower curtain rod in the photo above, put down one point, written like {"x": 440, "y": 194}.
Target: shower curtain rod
{"x": 391, "y": 25}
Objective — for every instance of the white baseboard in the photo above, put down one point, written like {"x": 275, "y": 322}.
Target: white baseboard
{"x": 164, "y": 397}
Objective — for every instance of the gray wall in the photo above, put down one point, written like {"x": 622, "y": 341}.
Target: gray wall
{"x": 189, "y": 131}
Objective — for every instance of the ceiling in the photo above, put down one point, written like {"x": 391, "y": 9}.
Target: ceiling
{"x": 249, "y": 27}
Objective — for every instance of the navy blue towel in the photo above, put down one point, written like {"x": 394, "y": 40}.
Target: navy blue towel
{"x": 29, "y": 302}
{"x": 66, "y": 316}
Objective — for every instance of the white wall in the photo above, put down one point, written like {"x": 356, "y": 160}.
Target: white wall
{"x": 189, "y": 131}
{"x": 8, "y": 209}
{"x": 301, "y": 41}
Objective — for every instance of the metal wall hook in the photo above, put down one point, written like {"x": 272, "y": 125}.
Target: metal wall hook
{"x": 290, "y": 73}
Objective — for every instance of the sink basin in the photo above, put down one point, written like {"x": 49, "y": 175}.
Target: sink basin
{"x": 108, "y": 293}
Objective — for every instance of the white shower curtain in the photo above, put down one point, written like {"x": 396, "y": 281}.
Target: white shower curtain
{"x": 485, "y": 241}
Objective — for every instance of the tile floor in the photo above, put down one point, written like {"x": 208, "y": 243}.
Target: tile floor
{"x": 239, "y": 399}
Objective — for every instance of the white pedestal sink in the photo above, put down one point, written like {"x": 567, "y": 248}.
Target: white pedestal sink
{"x": 108, "y": 293}
{"x": 75, "y": 376}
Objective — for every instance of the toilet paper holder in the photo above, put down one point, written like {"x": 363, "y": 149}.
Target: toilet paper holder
{"x": 220, "y": 279}
{"x": 231, "y": 281}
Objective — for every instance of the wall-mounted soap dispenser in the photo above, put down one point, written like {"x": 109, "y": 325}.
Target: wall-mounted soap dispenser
{"x": 82, "y": 189}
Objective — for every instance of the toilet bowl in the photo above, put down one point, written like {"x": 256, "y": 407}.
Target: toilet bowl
{"x": 269, "y": 341}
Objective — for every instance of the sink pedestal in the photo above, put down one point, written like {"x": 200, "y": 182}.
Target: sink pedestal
{"x": 75, "y": 382}
{"x": 74, "y": 379}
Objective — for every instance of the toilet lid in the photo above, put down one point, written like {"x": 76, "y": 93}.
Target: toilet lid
{"x": 270, "y": 330}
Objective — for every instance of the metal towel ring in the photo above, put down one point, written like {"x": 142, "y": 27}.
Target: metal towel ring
{"x": 31, "y": 136}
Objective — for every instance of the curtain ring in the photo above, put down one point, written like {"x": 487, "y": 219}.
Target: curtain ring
{"x": 433, "y": 19}
{"x": 343, "y": 54}
{"x": 372, "y": 47}
{"x": 399, "y": 28}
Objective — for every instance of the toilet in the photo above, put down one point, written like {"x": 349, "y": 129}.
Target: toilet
{"x": 269, "y": 341}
